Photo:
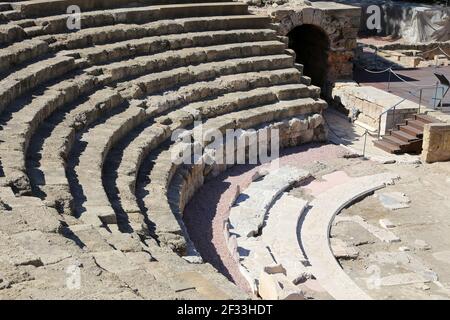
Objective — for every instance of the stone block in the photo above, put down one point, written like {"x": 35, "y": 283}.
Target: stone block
{"x": 114, "y": 261}
{"x": 436, "y": 142}
{"x": 386, "y": 223}
{"x": 274, "y": 287}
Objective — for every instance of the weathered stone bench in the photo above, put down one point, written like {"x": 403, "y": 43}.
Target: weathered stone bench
{"x": 83, "y": 113}
{"x": 252, "y": 206}
{"x": 108, "y": 53}
{"x": 43, "y": 8}
{"x": 162, "y": 172}
{"x": 151, "y": 137}
{"x": 121, "y": 32}
{"x": 21, "y": 52}
{"x": 24, "y": 80}
{"x": 139, "y": 15}
{"x": 315, "y": 238}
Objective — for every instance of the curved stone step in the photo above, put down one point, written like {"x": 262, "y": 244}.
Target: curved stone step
{"x": 252, "y": 206}
{"x": 43, "y": 8}
{"x": 26, "y": 50}
{"x": 71, "y": 128}
{"x": 180, "y": 118}
{"x": 50, "y": 176}
{"x": 315, "y": 233}
{"x": 139, "y": 15}
{"x": 157, "y": 82}
{"x": 240, "y": 54}
{"x": 277, "y": 248}
{"x": 19, "y": 179}
{"x": 140, "y": 71}
{"x": 166, "y": 224}
{"x": 22, "y": 124}
{"x": 150, "y": 137}
{"x": 24, "y": 80}
{"x": 21, "y": 52}
{"x": 121, "y": 32}
{"x": 108, "y": 53}
{"x": 95, "y": 209}
{"x": 280, "y": 233}
{"x": 10, "y": 33}
{"x": 75, "y": 118}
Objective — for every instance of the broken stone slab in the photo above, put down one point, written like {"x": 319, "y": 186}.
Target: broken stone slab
{"x": 315, "y": 233}
{"x": 423, "y": 287}
{"x": 281, "y": 236}
{"x": 341, "y": 250}
{"x": 122, "y": 241}
{"x": 386, "y": 224}
{"x": 114, "y": 261}
{"x": 195, "y": 280}
{"x": 247, "y": 217}
{"x": 394, "y": 200}
{"x": 422, "y": 245}
{"x": 89, "y": 237}
{"x": 142, "y": 258}
{"x": 13, "y": 253}
{"x": 277, "y": 287}
{"x": 22, "y": 219}
{"x": 406, "y": 260}
{"x": 274, "y": 269}
{"x": 382, "y": 234}
{"x": 254, "y": 257}
{"x": 403, "y": 279}
{"x": 43, "y": 246}
{"x": 10, "y": 275}
{"x": 352, "y": 233}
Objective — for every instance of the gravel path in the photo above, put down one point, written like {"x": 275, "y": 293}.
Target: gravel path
{"x": 205, "y": 214}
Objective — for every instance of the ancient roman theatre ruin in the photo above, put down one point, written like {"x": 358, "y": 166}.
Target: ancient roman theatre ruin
{"x": 101, "y": 100}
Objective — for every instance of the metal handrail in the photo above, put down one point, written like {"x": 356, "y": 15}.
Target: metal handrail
{"x": 394, "y": 107}
{"x": 444, "y": 93}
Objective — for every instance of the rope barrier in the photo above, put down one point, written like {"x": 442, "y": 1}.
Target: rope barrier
{"x": 417, "y": 86}
{"x": 413, "y": 84}
{"x": 398, "y": 76}
{"x": 431, "y": 50}
{"x": 444, "y": 52}
{"x": 375, "y": 72}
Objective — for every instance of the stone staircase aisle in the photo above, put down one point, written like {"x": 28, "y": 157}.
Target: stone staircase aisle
{"x": 407, "y": 137}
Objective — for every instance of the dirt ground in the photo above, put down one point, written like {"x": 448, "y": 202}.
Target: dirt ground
{"x": 423, "y": 228}
{"x": 415, "y": 267}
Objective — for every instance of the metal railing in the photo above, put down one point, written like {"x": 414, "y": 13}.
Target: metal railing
{"x": 394, "y": 108}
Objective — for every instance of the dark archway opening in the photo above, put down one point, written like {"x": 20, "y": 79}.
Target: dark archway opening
{"x": 311, "y": 45}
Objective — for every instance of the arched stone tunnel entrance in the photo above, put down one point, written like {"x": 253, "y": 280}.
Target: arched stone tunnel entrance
{"x": 311, "y": 45}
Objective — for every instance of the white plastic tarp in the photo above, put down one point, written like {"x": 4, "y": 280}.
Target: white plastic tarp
{"x": 427, "y": 24}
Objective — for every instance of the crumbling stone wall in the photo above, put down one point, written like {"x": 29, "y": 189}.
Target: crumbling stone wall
{"x": 340, "y": 22}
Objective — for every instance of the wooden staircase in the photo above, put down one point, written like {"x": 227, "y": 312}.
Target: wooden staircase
{"x": 407, "y": 137}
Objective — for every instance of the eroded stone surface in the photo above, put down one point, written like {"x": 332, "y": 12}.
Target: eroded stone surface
{"x": 394, "y": 200}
